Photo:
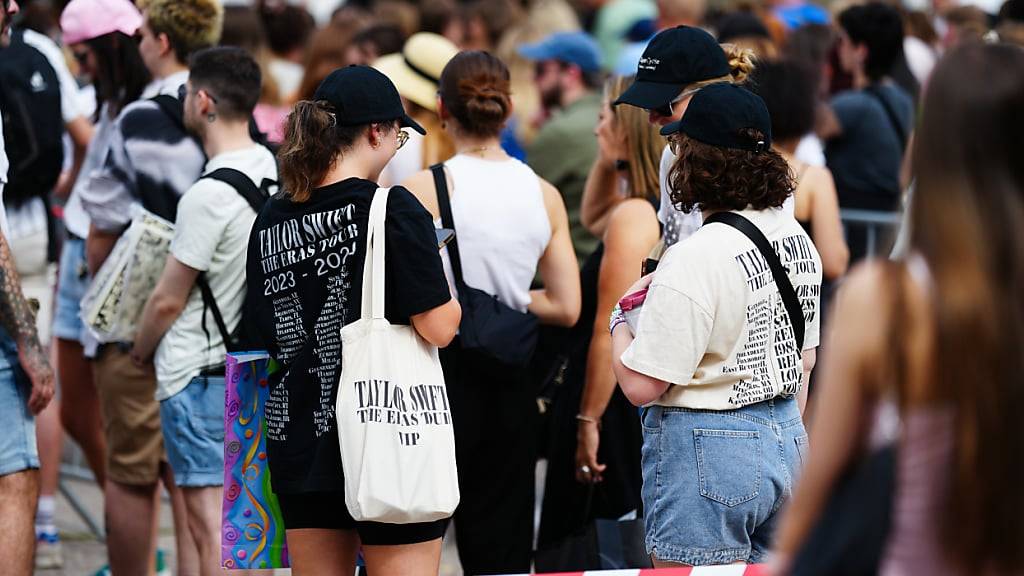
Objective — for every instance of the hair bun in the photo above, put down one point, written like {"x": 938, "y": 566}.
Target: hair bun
{"x": 476, "y": 90}
{"x": 742, "y": 62}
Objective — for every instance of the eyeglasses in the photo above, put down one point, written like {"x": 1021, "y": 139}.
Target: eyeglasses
{"x": 667, "y": 110}
{"x": 402, "y": 138}
{"x": 183, "y": 91}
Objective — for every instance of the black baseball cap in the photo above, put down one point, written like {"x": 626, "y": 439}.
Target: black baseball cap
{"x": 674, "y": 59}
{"x": 363, "y": 95}
{"x": 718, "y": 113}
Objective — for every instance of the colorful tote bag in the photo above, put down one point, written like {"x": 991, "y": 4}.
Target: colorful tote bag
{"x": 252, "y": 529}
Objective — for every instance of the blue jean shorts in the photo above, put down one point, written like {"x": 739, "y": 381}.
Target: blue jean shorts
{"x": 713, "y": 481}
{"x": 71, "y": 286}
{"x": 193, "y": 425}
{"x": 18, "y": 441}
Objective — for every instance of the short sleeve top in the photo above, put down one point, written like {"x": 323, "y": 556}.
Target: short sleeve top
{"x": 304, "y": 271}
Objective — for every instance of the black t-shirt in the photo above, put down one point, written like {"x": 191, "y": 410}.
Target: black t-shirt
{"x": 305, "y": 277}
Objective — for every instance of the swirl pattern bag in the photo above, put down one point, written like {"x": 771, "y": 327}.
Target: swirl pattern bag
{"x": 394, "y": 420}
{"x": 252, "y": 528}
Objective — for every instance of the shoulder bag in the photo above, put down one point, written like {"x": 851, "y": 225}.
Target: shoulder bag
{"x": 488, "y": 325}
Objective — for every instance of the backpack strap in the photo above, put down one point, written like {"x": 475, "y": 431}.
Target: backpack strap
{"x": 782, "y": 282}
{"x": 209, "y": 302}
{"x": 444, "y": 204}
{"x": 246, "y": 188}
{"x": 890, "y": 113}
{"x": 256, "y": 197}
{"x": 173, "y": 107}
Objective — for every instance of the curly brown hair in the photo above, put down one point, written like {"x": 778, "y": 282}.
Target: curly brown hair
{"x": 712, "y": 177}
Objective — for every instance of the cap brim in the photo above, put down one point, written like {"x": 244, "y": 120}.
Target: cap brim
{"x": 670, "y": 128}
{"x": 535, "y": 52}
{"x": 649, "y": 95}
{"x": 406, "y": 122}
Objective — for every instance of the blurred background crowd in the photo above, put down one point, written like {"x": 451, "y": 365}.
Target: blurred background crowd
{"x": 842, "y": 81}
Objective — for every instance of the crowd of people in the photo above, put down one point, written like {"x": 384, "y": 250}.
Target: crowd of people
{"x": 656, "y": 205}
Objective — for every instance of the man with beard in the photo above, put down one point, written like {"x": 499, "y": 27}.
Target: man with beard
{"x": 210, "y": 241}
{"x": 567, "y": 76}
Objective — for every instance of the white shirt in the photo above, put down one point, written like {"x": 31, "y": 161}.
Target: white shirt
{"x": 167, "y": 85}
{"x": 811, "y": 150}
{"x": 211, "y": 235}
{"x": 678, "y": 225}
{"x": 3, "y": 180}
{"x": 501, "y": 225}
{"x": 713, "y": 324}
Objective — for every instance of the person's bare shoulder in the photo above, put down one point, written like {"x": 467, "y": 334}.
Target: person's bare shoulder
{"x": 421, "y": 185}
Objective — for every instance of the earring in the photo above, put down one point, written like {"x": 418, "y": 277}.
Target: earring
{"x": 210, "y": 118}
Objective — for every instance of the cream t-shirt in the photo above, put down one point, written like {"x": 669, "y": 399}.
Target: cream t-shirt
{"x": 714, "y": 325}
{"x": 211, "y": 234}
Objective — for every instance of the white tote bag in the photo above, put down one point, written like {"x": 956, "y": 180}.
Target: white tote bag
{"x": 394, "y": 420}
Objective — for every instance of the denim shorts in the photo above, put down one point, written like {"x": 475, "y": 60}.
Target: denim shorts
{"x": 713, "y": 481}
{"x": 18, "y": 441}
{"x": 71, "y": 286}
{"x": 193, "y": 424}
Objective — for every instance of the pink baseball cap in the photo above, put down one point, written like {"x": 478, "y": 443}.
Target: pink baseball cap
{"x": 87, "y": 19}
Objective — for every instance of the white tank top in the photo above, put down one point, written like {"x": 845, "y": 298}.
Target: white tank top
{"x": 501, "y": 225}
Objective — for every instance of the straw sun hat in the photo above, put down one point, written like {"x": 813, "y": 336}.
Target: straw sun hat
{"x": 416, "y": 70}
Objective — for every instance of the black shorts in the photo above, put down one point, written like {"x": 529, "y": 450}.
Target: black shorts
{"x": 327, "y": 510}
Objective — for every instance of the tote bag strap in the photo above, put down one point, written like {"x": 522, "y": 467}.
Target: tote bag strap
{"x": 373, "y": 265}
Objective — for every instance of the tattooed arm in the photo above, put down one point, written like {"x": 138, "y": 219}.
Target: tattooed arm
{"x": 18, "y": 320}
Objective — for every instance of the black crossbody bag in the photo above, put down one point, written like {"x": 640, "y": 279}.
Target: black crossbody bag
{"x": 488, "y": 325}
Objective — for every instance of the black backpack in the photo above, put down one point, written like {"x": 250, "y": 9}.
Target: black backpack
{"x": 33, "y": 124}
{"x": 246, "y": 336}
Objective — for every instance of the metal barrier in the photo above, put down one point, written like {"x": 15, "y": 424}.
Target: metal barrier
{"x": 874, "y": 222}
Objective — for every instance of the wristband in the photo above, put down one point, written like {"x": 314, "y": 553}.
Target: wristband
{"x": 589, "y": 420}
{"x": 615, "y": 324}
{"x": 616, "y": 317}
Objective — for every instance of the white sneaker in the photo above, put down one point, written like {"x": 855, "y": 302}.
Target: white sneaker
{"x": 48, "y": 552}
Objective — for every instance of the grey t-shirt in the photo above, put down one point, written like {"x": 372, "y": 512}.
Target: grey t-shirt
{"x": 865, "y": 159}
